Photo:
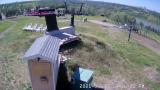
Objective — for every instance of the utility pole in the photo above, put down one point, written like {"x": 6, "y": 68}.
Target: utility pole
{"x": 66, "y": 7}
{"x": 72, "y": 17}
{"x": 81, "y": 7}
{"x": 0, "y": 16}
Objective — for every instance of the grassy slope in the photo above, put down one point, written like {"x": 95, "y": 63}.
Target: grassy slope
{"x": 4, "y": 25}
{"x": 150, "y": 34}
{"x": 103, "y": 51}
{"x": 131, "y": 55}
{"x": 154, "y": 36}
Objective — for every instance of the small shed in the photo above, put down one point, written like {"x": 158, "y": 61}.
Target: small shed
{"x": 43, "y": 62}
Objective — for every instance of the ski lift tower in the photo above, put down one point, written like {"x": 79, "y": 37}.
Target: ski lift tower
{"x": 66, "y": 34}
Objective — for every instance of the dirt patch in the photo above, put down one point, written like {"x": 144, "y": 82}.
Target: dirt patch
{"x": 151, "y": 44}
{"x": 147, "y": 42}
{"x": 152, "y": 74}
{"x": 118, "y": 82}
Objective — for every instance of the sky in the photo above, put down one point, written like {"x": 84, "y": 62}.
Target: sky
{"x": 149, "y": 4}
{"x": 9, "y": 1}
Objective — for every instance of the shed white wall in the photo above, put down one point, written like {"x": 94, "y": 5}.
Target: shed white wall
{"x": 53, "y": 76}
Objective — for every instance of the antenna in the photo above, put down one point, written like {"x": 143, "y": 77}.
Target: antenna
{"x": 66, "y": 8}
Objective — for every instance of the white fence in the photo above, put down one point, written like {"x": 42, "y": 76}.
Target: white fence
{"x": 34, "y": 27}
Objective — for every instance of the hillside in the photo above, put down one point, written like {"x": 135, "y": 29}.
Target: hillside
{"x": 104, "y": 47}
{"x": 91, "y": 6}
{"x": 119, "y": 14}
{"x": 114, "y": 60}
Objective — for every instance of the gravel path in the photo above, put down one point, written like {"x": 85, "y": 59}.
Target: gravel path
{"x": 149, "y": 43}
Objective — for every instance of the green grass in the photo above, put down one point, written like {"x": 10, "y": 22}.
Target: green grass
{"x": 130, "y": 50}
{"x": 101, "y": 50}
{"x": 12, "y": 47}
{"x": 134, "y": 57}
{"x": 14, "y": 74}
{"x": 154, "y": 36}
{"x": 150, "y": 34}
{"x": 4, "y": 25}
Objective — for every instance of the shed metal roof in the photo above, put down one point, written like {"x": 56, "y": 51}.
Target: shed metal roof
{"x": 46, "y": 47}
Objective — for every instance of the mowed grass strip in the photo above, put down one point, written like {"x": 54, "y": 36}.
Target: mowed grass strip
{"x": 4, "y": 25}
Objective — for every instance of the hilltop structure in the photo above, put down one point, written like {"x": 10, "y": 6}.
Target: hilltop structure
{"x": 43, "y": 57}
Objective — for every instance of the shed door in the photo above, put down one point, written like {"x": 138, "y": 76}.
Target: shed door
{"x": 41, "y": 75}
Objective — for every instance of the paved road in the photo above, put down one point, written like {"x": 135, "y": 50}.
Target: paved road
{"x": 2, "y": 34}
{"x": 149, "y": 43}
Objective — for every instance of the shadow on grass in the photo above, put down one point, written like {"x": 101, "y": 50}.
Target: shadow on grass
{"x": 62, "y": 81}
{"x": 74, "y": 44}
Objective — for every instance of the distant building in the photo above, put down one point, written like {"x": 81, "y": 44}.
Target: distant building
{"x": 2, "y": 16}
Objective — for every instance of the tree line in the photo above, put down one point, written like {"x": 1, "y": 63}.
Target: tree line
{"x": 120, "y": 14}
